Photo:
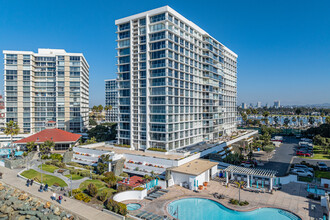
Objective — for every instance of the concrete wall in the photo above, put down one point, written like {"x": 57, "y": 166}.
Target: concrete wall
{"x": 114, "y": 216}
{"x": 130, "y": 195}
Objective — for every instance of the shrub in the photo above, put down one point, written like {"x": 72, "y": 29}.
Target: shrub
{"x": 76, "y": 191}
{"x": 56, "y": 184}
{"x": 116, "y": 207}
{"x": 104, "y": 195}
{"x": 86, "y": 199}
{"x": 92, "y": 189}
{"x": 244, "y": 203}
{"x": 139, "y": 188}
{"x": 95, "y": 176}
{"x": 44, "y": 157}
{"x": 48, "y": 162}
{"x": 157, "y": 149}
{"x": 269, "y": 148}
{"x": 79, "y": 196}
{"x": 122, "y": 188}
{"x": 233, "y": 201}
{"x": 124, "y": 175}
{"x": 58, "y": 157}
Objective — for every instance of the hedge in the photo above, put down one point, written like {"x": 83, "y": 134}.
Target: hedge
{"x": 157, "y": 149}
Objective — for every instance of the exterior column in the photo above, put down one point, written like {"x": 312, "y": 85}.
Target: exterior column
{"x": 271, "y": 183}
{"x": 227, "y": 179}
{"x": 251, "y": 179}
{"x": 248, "y": 181}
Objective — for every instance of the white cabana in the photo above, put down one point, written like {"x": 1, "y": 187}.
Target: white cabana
{"x": 251, "y": 174}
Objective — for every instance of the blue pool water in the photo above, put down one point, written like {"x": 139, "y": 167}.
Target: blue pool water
{"x": 6, "y": 152}
{"x": 133, "y": 206}
{"x": 318, "y": 191}
{"x": 205, "y": 209}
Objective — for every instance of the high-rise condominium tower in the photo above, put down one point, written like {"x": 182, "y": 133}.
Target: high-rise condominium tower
{"x": 111, "y": 98}
{"x": 177, "y": 84}
{"x": 51, "y": 85}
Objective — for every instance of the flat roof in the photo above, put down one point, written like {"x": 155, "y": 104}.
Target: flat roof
{"x": 140, "y": 153}
{"x": 195, "y": 167}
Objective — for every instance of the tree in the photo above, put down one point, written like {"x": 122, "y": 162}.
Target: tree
{"x": 311, "y": 120}
{"x": 298, "y": 111}
{"x": 103, "y": 133}
{"x": 294, "y": 119}
{"x": 11, "y": 129}
{"x": 248, "y": 111}
{"x": 265, "y": 119}
{"x": 30, "y": 146}
{"x": 327, "y": 120}
{"x": 244, "y": 117}
{"x": 47, "y": 147}
{"x": 92, "y": 190}
{"x": 286, "y": 122}
{"x": 239, "y": 185}
{"x": 276, "y": 121}
{"x": 110, "y": 179}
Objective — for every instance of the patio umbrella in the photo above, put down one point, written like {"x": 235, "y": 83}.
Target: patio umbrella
{"x": 275, "y": 182}
{"x": 197, "y": 183}
{"x": 157, "y": 182}
{"x": 251, "y": 182}
{"x": 194, "y": 183}
{"x": 279, "y": 181}
{"x": 262, "y": 182}
{"x": 307, "y": 187}
{"x": 257, "y": 184}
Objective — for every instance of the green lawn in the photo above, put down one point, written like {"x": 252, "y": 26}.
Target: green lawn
{"x": 322, "y": 174}
{"x": 48, "y": 168}
{"x": 74, "y": 176}
{"x": 318, "y": 154}
{"x": 99, "y": 185}
{"x": 49, "y": 179}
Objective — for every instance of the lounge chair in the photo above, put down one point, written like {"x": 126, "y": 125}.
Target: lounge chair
{"x": 140, "y": 214}
{"x": 150, "y": 198}
{"x": 146, "y": 216}
{"x": 164, "y": 190}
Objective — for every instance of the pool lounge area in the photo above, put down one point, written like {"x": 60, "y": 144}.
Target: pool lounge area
{"x": 6, "y": 152}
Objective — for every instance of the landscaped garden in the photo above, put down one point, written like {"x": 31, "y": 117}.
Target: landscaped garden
{"x": 49, "y": 179}
{"x": 48, "y": 168}
{"x": 74, "y": 176}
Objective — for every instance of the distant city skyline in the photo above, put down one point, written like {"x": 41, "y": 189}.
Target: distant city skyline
{"x": 282, "y": 57}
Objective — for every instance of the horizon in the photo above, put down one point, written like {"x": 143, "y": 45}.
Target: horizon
{"x": 282, "y": 57}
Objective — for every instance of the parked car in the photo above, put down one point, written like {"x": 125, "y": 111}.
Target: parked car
{"x": 322, "y": 166}
{"x": 303, "y": 153}
{"x": 302, "y": 172}
{"x": 247, "y": 164}
{"x": 301, "y": 166}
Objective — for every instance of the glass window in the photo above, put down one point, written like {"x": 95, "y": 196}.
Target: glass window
{"x": 124, "y": 26}
{"x": 156, "y": 18}
{"x": 142, "y": 21}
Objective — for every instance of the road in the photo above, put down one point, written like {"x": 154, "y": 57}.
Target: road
{"x": 282, "y": 156}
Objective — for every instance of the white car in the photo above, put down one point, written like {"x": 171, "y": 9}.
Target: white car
{"x": 322, "y": 166}
{"x": 302, "y": 172}
{"x": 304, "y": 167}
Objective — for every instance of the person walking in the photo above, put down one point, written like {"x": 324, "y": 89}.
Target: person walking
{"x": 54, "y": 196}
{"x": 28, "y": 183}
{"x": 60, "y": 199}
{"x": 31, "y": 182}
{"x": 46, "y": 188}
{"x": 40, "y": 189}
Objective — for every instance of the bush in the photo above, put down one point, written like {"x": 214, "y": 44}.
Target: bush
{"x": 104, "y": 195}
{"x": 92, "y": 190}
{"x": 58, "y": 157}
{"x": 269, "y": 148}
{"x": 76, "y": 191}
{"x": 157, "y": 149}
{"x": 116, "y": 207}
{"x": 139, "y": 188}
{"x": 124, "y": 175}
{"x": 244, "y": 203}
{"x": 233, "y": 201}
{"x": 44, "y": 157}
{"x": 56, "y": 184}
{"x": 48, "y": 162}
{"x": 122, "y": 188}
{"x": 86, "y": 199}
{"x": 79, "y": 196}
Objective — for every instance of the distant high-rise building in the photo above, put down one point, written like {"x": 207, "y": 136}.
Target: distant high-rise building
{"x": 258, "y": 105}
{"x": 277, "y": 104}
{"x": 244, "y": 105}
{"x": 111, "y": 98}
{"x": 51, "y": 85}
{"x": 177, "y": 84}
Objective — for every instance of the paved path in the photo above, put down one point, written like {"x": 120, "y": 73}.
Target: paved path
{"x": 75, "y": 183}
{"x": 72, "y": 205}
{"x": 282, "y": 157}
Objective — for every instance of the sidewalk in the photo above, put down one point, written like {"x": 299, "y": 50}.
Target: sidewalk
{"x": 75, "y": 207}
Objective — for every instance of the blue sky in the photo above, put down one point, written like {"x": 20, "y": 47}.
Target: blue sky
{"x": 283, "y": 46}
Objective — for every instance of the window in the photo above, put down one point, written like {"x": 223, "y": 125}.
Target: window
{"x": 124, "y": 26}
{"x": 74, "y": 58}
{"x": 124, "y": 43}
{"x": 158, "y": 45}
{"x": 123, "y": 35}
{"x": 124, "y": 51}
{"x": 157, "y": 36}
{"x": 158, "y": 54}
{"x": 157, "y": 27}
{"x": 142, "y": 30}
{"x": 142, "y": 21}
{"x": 156, "y": 18}
{"x": 124, "y": 59}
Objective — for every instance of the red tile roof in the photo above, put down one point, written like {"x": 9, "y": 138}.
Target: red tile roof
{"x": 51, "y": 122}
{"x": 134, "y": 181}
{"x": 56, "y": 135}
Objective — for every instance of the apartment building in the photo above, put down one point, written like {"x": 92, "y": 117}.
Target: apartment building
{"x": 111, "y": 98}
{"x": 2, "y": 113}
{"x": 51, "y": 85}
{"x": 177, "y": 84}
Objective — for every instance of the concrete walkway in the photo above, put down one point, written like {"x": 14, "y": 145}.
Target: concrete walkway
{"x": 74, "y": 206}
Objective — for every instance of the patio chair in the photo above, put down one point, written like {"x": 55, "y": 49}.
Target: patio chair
{"x": 164, "y": 190}
{"x": 149, "y": 198}
{"x": 140, "y": 214}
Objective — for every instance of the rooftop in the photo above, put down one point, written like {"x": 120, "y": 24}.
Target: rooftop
{"x": 195, "y": 167}
{"x": 133, "y": 181}
{"x": 56, "y": 135}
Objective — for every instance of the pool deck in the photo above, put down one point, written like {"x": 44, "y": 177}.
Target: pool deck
{"x": 292, "y": 197}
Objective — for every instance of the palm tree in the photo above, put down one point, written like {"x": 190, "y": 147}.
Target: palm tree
{"x": 11, "y": 129}
{"x": 276, "y": 121}
{"x": 294, "y": 119}
{"x": 265, "y": 114}
{"x": 286, "y": 122}
{"x": 47, "y": 147}
{"x": 239, "y": 184}
{"x": 30, "y": 146}
{"x": 311, "y": 120}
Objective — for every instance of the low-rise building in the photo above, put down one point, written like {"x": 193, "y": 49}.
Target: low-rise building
{"x": 63, "y": 140}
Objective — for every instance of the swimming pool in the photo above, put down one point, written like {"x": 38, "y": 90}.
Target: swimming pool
{"x": 318, "y": 191}
{"x": 199, "y": 208}
{"x": 6, "y": 152}
{"x": 133, "y": 206}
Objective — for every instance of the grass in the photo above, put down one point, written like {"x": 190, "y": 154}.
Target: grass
{"x": 322, "y": 174}
{"x": 49, "y": 179}
{"x": 318, "y": 154}
{"x": 305, "y": 179}
{"x": 48, "y": 168}
{"x": 74, "y": 176}
{"x": 99, "y": 185}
